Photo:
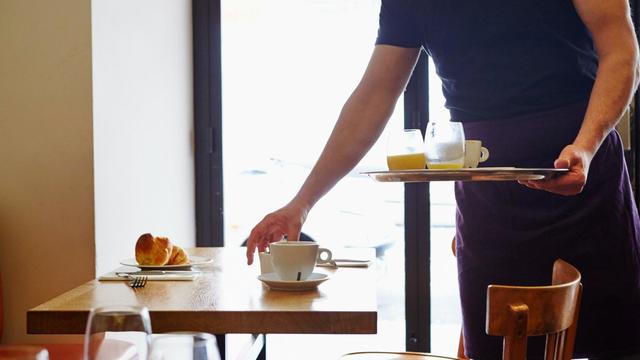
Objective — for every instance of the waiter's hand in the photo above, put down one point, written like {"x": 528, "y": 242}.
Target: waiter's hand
{"x": 575, "y": 159}
{"x": 285, "y": 221}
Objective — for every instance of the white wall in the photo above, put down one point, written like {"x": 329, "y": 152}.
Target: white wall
{"x": 46, "y": 155}
{"x": 140, "y": 134}
{"x": 143, "y": 105}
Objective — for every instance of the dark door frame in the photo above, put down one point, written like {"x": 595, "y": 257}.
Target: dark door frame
{"x": 417, "y": 222}
{"x": 207, "y": 103}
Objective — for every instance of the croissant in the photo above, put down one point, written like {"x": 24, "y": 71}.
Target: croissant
{"x": 152, "y": 250}
{"x": 178, "y": 256}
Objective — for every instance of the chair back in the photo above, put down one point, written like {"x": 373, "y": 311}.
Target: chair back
{"x": 516, "y": 312}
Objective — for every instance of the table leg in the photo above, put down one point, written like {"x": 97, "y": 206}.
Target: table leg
{"x": 263, "y": 352}
{"x": 221, "y": 340}
{"x": 254, "y": 349}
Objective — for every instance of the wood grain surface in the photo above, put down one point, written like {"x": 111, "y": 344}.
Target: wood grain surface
{"x": 226, "y": 298}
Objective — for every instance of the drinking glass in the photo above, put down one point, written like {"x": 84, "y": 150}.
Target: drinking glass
{"x": 115, "y": 332}
{"x": 444, "y": 145}
{"x": 184, "y": 346}
{"x": 405, "y": 150}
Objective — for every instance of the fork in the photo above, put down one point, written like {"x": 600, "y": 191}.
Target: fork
{"x": 137, "y": 281}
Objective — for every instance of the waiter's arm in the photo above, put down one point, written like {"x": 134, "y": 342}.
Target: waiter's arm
{"x": 616, "y": 80}
{"x": 362, "y": 119}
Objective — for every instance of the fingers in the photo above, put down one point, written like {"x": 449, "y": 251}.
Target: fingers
{"x": 574, "y": 158}
{"x": 273, "y": 227}
{"x": 251, "y": 245}
{"x": 532, "y": 184}
{"x": 274, "y": 235}
{"x": 261, "y": 236}
{"x": 293, "y": 232}
{"x": 571, "y": 183}
{"x": 562, "y": 163}
{"x": 250, "y": 249}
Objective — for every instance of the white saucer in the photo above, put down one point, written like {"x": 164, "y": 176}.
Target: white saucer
{"x": 272, "y": 280}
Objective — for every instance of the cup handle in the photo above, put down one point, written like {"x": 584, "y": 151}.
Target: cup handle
{"x": 484, "y": 154}
{"x": 321, "y": 251}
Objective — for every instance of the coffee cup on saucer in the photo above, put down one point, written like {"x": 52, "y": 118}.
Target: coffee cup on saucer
{"x": 293, "y": 260}
{"x": 474, "y": 153}
{"x": 266, "y": 266}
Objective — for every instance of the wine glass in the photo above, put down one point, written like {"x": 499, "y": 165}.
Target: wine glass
{"x": 444, "y": 145}
{"x": 184, "y": 345}
{"x": 115, "y": 332}
{"x": 405, "y": 150}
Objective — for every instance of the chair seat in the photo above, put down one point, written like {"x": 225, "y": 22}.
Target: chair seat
{"x": 384, "y": 355}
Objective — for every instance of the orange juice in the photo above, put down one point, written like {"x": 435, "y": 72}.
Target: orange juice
{"x": 444, "y": 165}
{"x": 406, "y": 161}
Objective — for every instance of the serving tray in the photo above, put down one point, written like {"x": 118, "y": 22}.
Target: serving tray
{"x": 473, "y": 174}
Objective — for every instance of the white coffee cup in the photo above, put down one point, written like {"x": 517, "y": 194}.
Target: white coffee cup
{"x": 294, "y": 260}
{"x": 266, "y": 265}
{"x": 474, "y": 153}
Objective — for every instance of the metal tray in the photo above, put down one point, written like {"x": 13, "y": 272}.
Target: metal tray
{"x": 473, "y": 174}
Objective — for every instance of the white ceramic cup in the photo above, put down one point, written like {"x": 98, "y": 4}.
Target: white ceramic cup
{"x": 474, "y": 153}
{"x": 294, "y": 260}
{"x": 266, "y": 265}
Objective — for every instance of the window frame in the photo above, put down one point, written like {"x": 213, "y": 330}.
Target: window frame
{"x": 207, "y": 118}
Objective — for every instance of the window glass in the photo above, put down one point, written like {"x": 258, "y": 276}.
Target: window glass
{"x": 288, "y": 66}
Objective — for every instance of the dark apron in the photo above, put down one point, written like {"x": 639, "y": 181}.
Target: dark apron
{"x": 508, "y": 234}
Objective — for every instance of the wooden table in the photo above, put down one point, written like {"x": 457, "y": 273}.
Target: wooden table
{"x": 226, "y": 298}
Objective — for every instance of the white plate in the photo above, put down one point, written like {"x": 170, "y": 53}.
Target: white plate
{"x": 193, "y": 261}
{"x": 474, "y": 174}
{"x": 272, "y": 280}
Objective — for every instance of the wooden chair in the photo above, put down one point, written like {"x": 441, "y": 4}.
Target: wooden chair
{"x": 517, "y": 312}
{"x": 565, "y": 291}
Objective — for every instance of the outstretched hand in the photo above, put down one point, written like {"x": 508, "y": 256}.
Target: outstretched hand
{"x": 286, "y": 221}
{"x": 575, "y": 159}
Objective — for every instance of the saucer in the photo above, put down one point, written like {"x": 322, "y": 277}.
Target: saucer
{"x": 272, "y": 280}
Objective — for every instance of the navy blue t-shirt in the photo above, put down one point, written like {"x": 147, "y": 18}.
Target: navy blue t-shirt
{"x": 497, "y": 59}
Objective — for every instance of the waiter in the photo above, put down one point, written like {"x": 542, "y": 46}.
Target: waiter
{"x": 542, "y": 83}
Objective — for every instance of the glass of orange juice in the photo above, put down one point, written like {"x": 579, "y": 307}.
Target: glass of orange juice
{"x": 444, "y": 145}
{"x": 405, "y": 150}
